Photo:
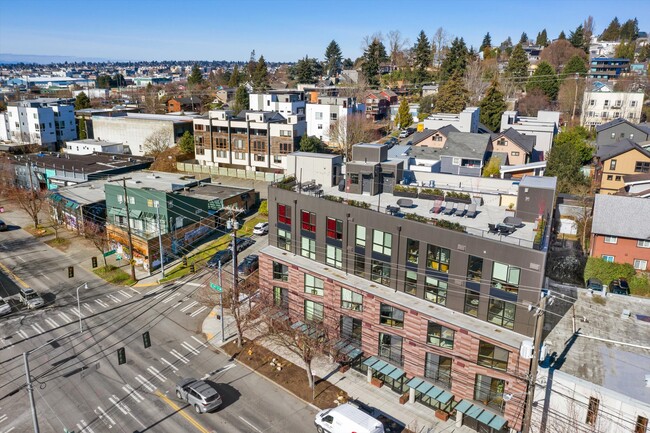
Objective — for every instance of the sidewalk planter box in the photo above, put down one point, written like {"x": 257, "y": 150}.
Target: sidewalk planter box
{"x": 344, "y": 368}
{"x": 376, "y": 382}
{"x": 442, "y": 415}
{"x": 404, "y": 398}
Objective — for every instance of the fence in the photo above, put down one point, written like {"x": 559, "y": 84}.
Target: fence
{"x": 232, "y": 172}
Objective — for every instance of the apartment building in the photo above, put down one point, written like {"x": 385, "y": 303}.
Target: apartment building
{"x": 544, "y": 127}
{"x": 435, "y": 307}
{"x": 328, "y": 110}
{"x": 607, "y": 68}
{"x": 285, "y": 102}
{"x": 466, "y": 121}
{"x": 252, "y": 140}
{"x": 601, "y": 104}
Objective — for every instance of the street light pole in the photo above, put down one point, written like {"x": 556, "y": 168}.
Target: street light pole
{"x": 85, "y": 286}
{"x": 160, "y": 245}
{"x": 30, "y": 391}
{"x": 221, "y": 304}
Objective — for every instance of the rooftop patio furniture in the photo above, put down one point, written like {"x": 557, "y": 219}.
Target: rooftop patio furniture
{"x": 437, "y": 206}
{"x": 513, "y": 221}
{"x": 506, "y": 229}
{"x": 460, "y": 211}
{"x": 405, "y": 202}
{"x": 449, "y": 210}
{"x": 492, "y": 228}
{"x": 393, "y": 210}
{"x": 471, "y": 211}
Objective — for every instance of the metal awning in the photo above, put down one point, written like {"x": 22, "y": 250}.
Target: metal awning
{"x": 430, "y": 390}
{"x": 384, "y": 368}
{"x": 344, "y": 347}
{"x": 117, "y": 211}
{"x": 135, "y": 213}
{"x": 482, "y": 415}
{"x": 56, "y": 197}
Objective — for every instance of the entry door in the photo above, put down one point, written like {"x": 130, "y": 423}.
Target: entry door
{"x": 388, "y": 182}
{"x": 366, "y": 184}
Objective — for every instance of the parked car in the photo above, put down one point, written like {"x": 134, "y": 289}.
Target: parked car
{"x": 248, "y": 265}
{"x": 224, "y": 256}
{"x": 199, "y": 394}
{"x": 346, "y": 418}
{"x": 404, "y": 133}
{"x": 595, "y": 284}
{"x": 5, "y": 308}
{"x": 619, "y": 287}
{"x": 30, "y": 298}
{"x": 3, "y": 226}
{"x": 242, "y": 244}
{"x": 261, "y": 228}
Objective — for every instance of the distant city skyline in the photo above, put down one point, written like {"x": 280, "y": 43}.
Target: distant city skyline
{"x": 280, "y": 30}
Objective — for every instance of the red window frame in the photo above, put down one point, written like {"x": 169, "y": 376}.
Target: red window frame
{"x": 308, "y": 221}
{"x": 332, "y": 231}
{"x": 284, "y": 214}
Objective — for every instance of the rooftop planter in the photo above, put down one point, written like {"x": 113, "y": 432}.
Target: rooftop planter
{"x": 287, "y": 183}
{"x": 431, "y": 194}
{"x": 333, "y": 198}
{"x": 458, "y": 197}
{"x": 416, "y": 217}
{"x": 405, "y": 191}
{"x": 436, "y": 222}
{"x": 361, "y": 204}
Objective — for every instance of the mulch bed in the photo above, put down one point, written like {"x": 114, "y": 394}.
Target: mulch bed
{"x": 291, "y": 376}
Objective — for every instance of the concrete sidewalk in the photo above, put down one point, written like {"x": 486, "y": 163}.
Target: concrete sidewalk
{"x": 414, "y": 416}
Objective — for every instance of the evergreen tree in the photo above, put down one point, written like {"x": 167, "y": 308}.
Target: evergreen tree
{"x": 423, "y": 57}
{"x": 426, "y": 105}
{"x": 612, "y": 32}
{"x": 517, "y": 68}
{"x": 625, "y": 50}
{"x": 348, "y": 63}
{"x": 81, "y": 101}
{"x": 195, "y": 77}
{"x": 404, "y": 117}
{"x": 577, "y": 37}
{"x": 506, "y": 46}
{"x": 630, "y": 30}
{"x": 562, "y": 35}
{"x": 575, "y": 65}
{"x": 241, "y": 100}
{"x": 545, "y": 80}
{"x": 487, "y": 42}
{"x": 455, "y": 60}
{"x": 566, "y": 158}
{"x": 234, "y": 78}
{"x": 306, "y": 70}
{"x": 453, "y": 97}
{"x": 186, "y": 143}
{"x": 373, "y": 56}
{"x": 311, "y": 144}
{"x": 83, "y": 134}
{"x": 523, "y": 40}
{"x": 333, "y": 58}
{"x": 492, "y": 107}
{"x": 261, "y": 76}
{"x": 542, "y": 39}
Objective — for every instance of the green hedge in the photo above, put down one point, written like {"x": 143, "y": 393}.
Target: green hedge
{"x": 607, "y": 271}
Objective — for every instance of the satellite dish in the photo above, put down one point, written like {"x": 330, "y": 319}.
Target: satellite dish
{"x": 507, "y": 397}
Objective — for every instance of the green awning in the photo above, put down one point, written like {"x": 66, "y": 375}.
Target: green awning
{"x": 135, "y": 213}
{"x": 117, "y": 211}
{"x": 430, "y": 390}
{"x": 384, "y": 368}
{"x": 56, "y": 197}
{"x": 69, "y": 204}
{"x": 482, "y": 415}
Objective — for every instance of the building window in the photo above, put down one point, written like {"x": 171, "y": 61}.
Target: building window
{"x": 284, "y": 239}
{"x": 285, "y": 133}
{"x": 120, "y": 199}
{"x": 280, "y": 272}
{"x": 611, "y": 240}
{"x": 382, "y": 242}
{"x": 411, "y": 282}
{"x": 308, "y": 248}
{"x": 612, "y": 164}
{"x": 505, "y": 277}
{"x": 359, "y": 265}
{"x": 471, "y": 302}
{"x": 314, "y": 311}
{"x": 438, "y": 369}
{"x": 284, "y": 214}
{"x": 334, "y": 228}
{"x": 391, "y": 316}
{"x": 313, "y": 285}
{"x": 440, "y": 336}
{"x": 489, "y": 391}
{"x": 308, "y": 221}
{"x": 380, "y": 272}
{"x": 351, "y": 330}
{"x": 438, "y": 258}
{"x": 354, "y": 179}
{"x": 618, "y": 178}
{"x": 592, "y": 411}
{"x": 606, "y": 103}
{"x": 351, "y": 300}
{"x": 390, "y": 348}
{"x": 360, "y": 236}
{"x": 608, "y": 258}
{"x": 592, "y": 102}
{"x": 514, "y": 153}
{"x": 281, "y": 297}
{"x": 277, "y": 159}
{"x": 642, "y": 167}
{"x": 435, "y": 290}
{"x": 640, "y": 265}
{"x": 492, "y": 356}
{"x": 334, "y": 256}
{"x": 285, "y": 148}
{"x": 501, "y": 313}
{"x": 318, "y": 115}
{"x": 412, "y": 251}
{"x": 501, "y": 142}
{"x": 610, "y": 177}
{"x": 333, "y": 116}
{"x": 474, "y": 268}
{"x": 641, "y": 424}
{"x": 642, "y": 243}
{"x": 259, "y": 157}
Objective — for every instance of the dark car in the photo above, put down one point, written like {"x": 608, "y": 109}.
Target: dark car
{"x": 224, "y": 256}
{"x": 242, "y": 244}
{"x": 248, "y": 265}
{"x": 595, "y": 284}
{"x": 619, "y": 287}
{"x": 3, "y": 226}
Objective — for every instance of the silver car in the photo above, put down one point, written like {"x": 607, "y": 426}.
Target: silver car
{"x": 5, "y": 308}
{"x": 198, "y": 393}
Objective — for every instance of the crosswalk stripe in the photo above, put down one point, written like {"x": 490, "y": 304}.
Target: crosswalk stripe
{"x": 76, "y": 312}
{"x": 183, "y": 359}
{"x": 114, "y": 298}
{"x": 161, "y": 294}
{"x": 170, "y": 297}
{"x": 163, "y": 360}
{"x": 101, "y": 303}
{"x": 37, "y": 328}
{"x": 121, "y": 406}
{"x": 188, "y": 306}
{"x": 6, "y": 343}
{"x": 132, "y": 289}
{"x": 10, "y": 429}
{"x": 86, "y": 427}
{"x": 88, "y": 306}
{"x": 126, "y": 295}
{"x": 199, "y": 341}
{"x": 156, "y": 373}
{"x": 52, "y": 323}
{"x": 133, "y": 393}
{"x": 3, "y": 418}
{"x": 23, "y": 334}
{"x": 104, "y": 414}
{"x": 197, "y": 312}
{"x": 144, "y": 382}
{"x": 65, "y": 317}
{"x": 190, "y": 348}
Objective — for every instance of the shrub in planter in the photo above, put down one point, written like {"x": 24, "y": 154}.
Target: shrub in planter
{"x": 361, "y": 204}
{"x": 405, "y": 191}
{"x": 404, "y": 398}
{"x": 458, "y": 197}
{"x": 416, "y": 217}
{"x": 431, "y": 194}
{"x": 333, "y": 198}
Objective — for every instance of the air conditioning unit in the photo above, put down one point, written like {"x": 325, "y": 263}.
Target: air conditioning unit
{"x": 526, "y": 350}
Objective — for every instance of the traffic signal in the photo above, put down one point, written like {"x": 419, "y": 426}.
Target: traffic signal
{"x": 121, "y": 356}
{"x": 184, "y": 261}
{"x": 70, "y": 271}
{"x": 94, "y": 262}
{"x": 146, "y": 339}
{"x": 192, "y": 267}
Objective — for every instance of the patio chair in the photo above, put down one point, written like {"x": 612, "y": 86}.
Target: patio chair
{"x": 436, "y": 206}
{"x": 492, "y": 228}
{"x": 450, "y": 210}
{"x": 471, "y": 211}
{"x": 461, "y": 210}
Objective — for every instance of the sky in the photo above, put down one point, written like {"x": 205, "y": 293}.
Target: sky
{"x": 281, "y": 30}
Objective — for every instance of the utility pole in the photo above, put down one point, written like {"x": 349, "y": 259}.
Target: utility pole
{"x": 128, "y": 223}
{"x": 223, "y": 327}
{"x": 575, "y": 100}
{"x": 30, "y": 390}
{"x": 537, "y": 343}
{"x": 233, "y": 224}
{"x": 160, "y": 245}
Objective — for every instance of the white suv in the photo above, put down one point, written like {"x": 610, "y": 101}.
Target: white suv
{"x": 31, "y": 299}
{"x": 261, "y": 229}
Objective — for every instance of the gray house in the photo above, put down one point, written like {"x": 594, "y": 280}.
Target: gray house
{"x": 464, "y": 153}
{"x": 370, "y": 171}
{"x": 618, "y": 129}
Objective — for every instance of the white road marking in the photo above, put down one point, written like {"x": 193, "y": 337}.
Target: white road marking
{"x": 132, "y": 289}
{"x": 135, "y": 394}
{"x": 102, "y": 303}
{"x": 6, "y": 343}
{"x": 197, "y": 312}
{"x": 104, "y": 414}
{"x": 117, "y": 403}
{"x": 52, "y": 323}
{"x": 164, "y": 361}
{"x": 126, "y": 295}
{"x": 199, "y": 341}
{"x": 251, "y": 425}
{"x": 190, "y": 348}
{"x": 114, "y": 298}
{"x": 86, "y": 427}
{"x": 3, "y": 418}
{"x": 23, "y": 334}
{"x": 21, "y": 259}
{"x": 193, "y": 284}
{"x": 65, "y": 317}
{"x": 46, "y": 277}
{"x": 161, "y": 294}
{"x": 76, "y": 312}
{"x": 38, "y": 329}
{"x": 144, "y": 382}
{"x": 170, "y": 297}
{"x": 188, "y": 306}
{"x": 183, "y": 359}
{"x": 10, "y": 429}
{"x": 156, "y": 373}
{"x": 88, "y": 306}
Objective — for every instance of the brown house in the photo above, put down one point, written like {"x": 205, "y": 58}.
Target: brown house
{"x": 513, "y": 147}
{"x": 432, "y": 137}
{"x": 176, "y": 105}
{"x": 614, "y": 162}
{"x": 378, "y": 103}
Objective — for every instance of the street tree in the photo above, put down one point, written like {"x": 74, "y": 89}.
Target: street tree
{"x": 545, "y": 79}
{"x": 333, "y": 58}
{"x": 186, "y": 143}
{"x": 422, "y": 58}
{"x": 560, "y": 52}
{"x": 373, "y": 56}
{"x": 493, "y": 105}
{"x": 452, "y": 96}
{"x": 455, "y": 60}
{"x": 196, "y": 77}
{"x": 349, "y": 130}
{"x": 261, "y": 76}
{"x": 567, "y": 156}
{"x": 612, "y": 32}
{"x": 30, "y": 199}
{"x": 241, "y": 99}
{"x": 517, "y": 69}
{"x": 235, "y": 77}
{"x": 542, "y": 39}
{"x": 95, "y": 232}
{"x": 310, "y": 143}
{"x": 157, "y": 142}
{"x": 487, "y": 42}
{"x": 81, "y": 101}
{"x": 404, "y": 117}
{"x": 570, "y": 97}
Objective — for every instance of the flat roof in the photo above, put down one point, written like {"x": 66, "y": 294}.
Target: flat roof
{"x": 544, "y": 182}
{"x": 83, "y": 193}
{"x": 161, "y": 181}
{"x": 94, "y": 142}
{"x": 213, "y": 191}
{"x": 93, "y": 163}
{"x": 314, "y": 155}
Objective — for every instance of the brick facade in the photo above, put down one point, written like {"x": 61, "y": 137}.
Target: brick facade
{"x": 625, "y": 250}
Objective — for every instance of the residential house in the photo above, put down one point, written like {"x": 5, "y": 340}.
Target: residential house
{"x": 544, "y": 127}
{"x": 430, "y": 89}
{"x": 512, "y": 147}
{"x": 323, "y": 169}
{"x": 618, "y": 129}
{"x": 466, "y": 121}
{"x": 463, "y": 153}
{"x": 181, "y": 104}
{"x": 601, "y": 104}
{"x": 636, "y": 185}
{"x": 285, "y": 102}
{"x": 607, "y": 68}
{"x": 615, "y": 161}
{"x": 620, "y": 232}
{"x": 90, "y": 146}
{"x": 371, "y": 171}
{"x": 225, "y": 95}
{"x": 326, "y": 111}
{"x": 378, "y": 103}
{"x": 432, "y": 137}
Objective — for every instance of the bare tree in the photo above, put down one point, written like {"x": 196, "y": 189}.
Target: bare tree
{"x": 570, "y": 98}
{"x": 534, "y": 101}
{"x": 475, "y": 81}
{"x": 54, "y": 221}
{"x": 396, "y": 45}
{"x": 559, "y": 52}
{"x": 588, "y": 29}
{"x": 440, "y": 40}
{"x": 584, "y": 216}
{"x": 157, "y": 142}
{"x": 368, "y": 39}
{"x": 350, "y": 130}
{"x": 237, "y": 300}
{"x": 96, "y": 233}
{"x": 31, "y": 199}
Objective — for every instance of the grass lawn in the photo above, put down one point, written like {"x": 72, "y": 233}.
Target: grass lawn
{"x": 60, "y": 243}
{"x": 200, "y": 257}
{"x": 114, "y": 275}
{"x": 39, "y": 232}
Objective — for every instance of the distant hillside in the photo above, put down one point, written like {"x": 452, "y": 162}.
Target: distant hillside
{"x": 8, "y": 58}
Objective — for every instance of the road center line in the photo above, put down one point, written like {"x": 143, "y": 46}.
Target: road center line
{"x": 176, "y": 408}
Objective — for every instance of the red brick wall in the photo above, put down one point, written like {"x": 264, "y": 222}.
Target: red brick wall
{"x": 625, "y": 250}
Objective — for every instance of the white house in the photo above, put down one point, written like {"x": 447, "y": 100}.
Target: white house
{"x": 322, "y": 114}
{"x": 322, "y": 168}
{"x": 602, "y": 104}
{"x": 466, "y": 121}
{"x": 544, "y": 126}
{"x": 90, "y": 146}
{"x": 285, "y": 102}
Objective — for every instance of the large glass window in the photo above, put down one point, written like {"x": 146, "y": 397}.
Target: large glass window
{"x": 489, "y": 391}
{"x": 359, "y": 265}
{"x": 313, "y": 285}
{"x": 435, "y": 290}
{"x": 308, "y": 248}
{"x": 505, "y": 277}
{"x": 308, "y": 221}
{"x": 438, "y": 258}
{"x": 314, "y": 311}
{"x": 351, "y": 330}
{"x": 351, "y": 300}
{"x": 281, "y": 297}
{"x": 390, "y": 348}
{"x": 438, "y": 369}
{"x": 334, "y": 256}
{"x": 284, "y": 214}
{"x": 360, "y": 236}
{"x": 492, "y": 356}
{"x": 439, "y": 335}
{"x": 474, "y": 268}
{"x": 471, "y": 302}
{"x": 411, "y": 282}
{"x": 412, "y": 251}
{"x": 280, "y": 272}
{"x": 391, "y": 316}
{"x": 382, "y": 242}
{"x": 284, "y": 239}
{"x": 334, "y": 228}
{"x": 502, "y": 313}
{"x": 380, "y": 272}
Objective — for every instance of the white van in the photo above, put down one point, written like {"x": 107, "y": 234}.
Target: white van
{"x": 345, "y": 419}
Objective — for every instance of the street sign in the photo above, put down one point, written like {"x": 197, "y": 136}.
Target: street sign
{"x": 109, "y": 253}
{"x": 216, "y": 287}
